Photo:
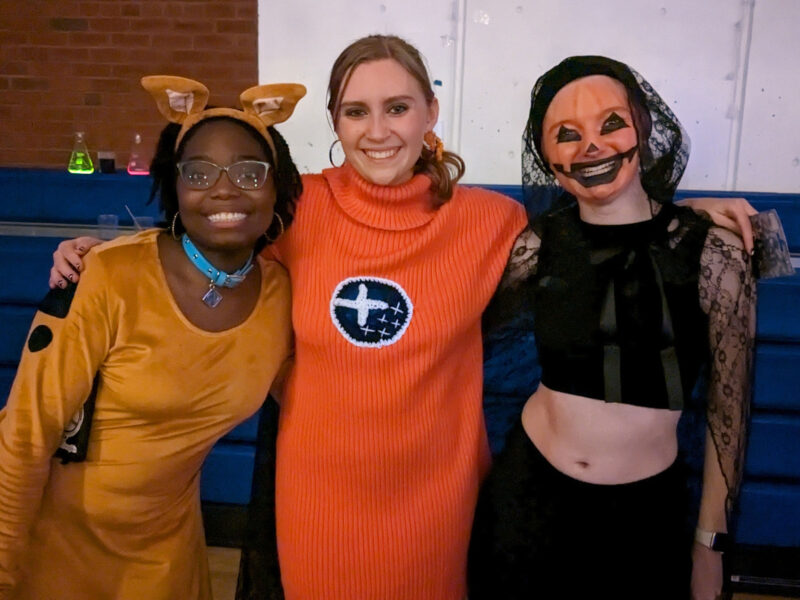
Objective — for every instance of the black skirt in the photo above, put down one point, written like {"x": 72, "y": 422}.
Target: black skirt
{"x": 539, "y": 533}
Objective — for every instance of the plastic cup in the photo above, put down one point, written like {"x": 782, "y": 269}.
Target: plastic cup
{"x": 143, "y": 221}
{"x": 107, "y": 226}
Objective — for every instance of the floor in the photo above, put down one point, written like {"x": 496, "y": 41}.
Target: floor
{"x": 225, "y": 565}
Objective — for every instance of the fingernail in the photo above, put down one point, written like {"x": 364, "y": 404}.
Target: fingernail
{"x": 80, "y": 248}
{"x": 61, "y": 283}
{"x": 77, "y": 266}
{"x": 69, "y": 276}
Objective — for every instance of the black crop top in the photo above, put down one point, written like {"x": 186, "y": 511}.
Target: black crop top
{"x": 617, "y": 311}
{"x": 555, "y": 279}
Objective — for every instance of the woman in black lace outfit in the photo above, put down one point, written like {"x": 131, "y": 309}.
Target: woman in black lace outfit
{"x": 633, "y": 297}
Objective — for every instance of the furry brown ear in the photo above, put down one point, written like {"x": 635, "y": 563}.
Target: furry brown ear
{"x": 272, "y": 103}
{"x": 176, "y": 97}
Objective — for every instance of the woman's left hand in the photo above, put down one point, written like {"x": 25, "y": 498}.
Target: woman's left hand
{"x": 730, "y": 213}
{"x": 706, "y": 573}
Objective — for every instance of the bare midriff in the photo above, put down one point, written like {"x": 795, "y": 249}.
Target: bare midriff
{"x": 600, "y": 442}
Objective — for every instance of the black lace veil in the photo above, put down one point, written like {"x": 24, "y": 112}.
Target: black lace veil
{"x": 663, "y": 143}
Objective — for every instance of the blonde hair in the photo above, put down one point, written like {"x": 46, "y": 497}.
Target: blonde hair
{"x": 444, "y": 174}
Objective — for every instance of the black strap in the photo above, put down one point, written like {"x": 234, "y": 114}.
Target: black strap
{"x": 612, "y": 355}
{"x": 669, "y": 358}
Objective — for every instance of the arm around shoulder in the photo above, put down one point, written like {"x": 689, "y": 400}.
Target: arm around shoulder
{"x": 727, "y": 292}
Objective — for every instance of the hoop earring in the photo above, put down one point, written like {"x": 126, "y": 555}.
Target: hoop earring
{"x": 435, "y": 144}
{"x": 280, "y": 222}
{"x": 172, "y": 227}
{"x": 330, "y": 152}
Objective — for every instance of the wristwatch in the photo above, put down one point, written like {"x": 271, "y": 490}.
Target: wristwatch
{"x": 717, "y": 541}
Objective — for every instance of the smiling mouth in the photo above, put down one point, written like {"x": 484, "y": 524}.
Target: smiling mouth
{"x": 381, "y": 154}
{"x": 597, "y": 172}
{"x": 227, "y": 217}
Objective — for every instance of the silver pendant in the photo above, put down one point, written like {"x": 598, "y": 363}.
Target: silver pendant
{"x": 212, "y": 297}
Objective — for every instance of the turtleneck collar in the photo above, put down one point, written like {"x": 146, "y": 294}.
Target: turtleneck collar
{"x": 393, "y": 208}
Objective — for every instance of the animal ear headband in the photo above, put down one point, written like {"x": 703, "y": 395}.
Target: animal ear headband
{"x": 184, "y": 101}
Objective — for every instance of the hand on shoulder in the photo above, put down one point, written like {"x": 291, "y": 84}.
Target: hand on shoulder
{"x": 731, "y": 213}
{"x": 67, "y": 263}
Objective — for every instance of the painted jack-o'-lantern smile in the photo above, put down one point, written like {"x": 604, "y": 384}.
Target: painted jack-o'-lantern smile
{"x": 596, "y": 172}
{"x": 589, "y": 139}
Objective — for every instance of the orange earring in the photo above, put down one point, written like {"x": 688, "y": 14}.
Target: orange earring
{"x": 434, "y": 143}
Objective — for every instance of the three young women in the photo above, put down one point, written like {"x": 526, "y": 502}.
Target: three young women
{"x": 381, "y": 443}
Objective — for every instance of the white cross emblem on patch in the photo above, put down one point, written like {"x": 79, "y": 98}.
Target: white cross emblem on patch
{"x": 370, "y": 312}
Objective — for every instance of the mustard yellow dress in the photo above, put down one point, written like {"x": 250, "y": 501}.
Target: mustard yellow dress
{"x": 126, "y": 523}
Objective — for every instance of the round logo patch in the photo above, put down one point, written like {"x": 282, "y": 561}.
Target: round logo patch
{"x": 370, "y": 311}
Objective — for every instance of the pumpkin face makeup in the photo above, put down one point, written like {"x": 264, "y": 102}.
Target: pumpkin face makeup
{"x": 589, "y": 139}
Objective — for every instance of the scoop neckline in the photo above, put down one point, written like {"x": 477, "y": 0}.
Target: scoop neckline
{"x": 162, "y": 278}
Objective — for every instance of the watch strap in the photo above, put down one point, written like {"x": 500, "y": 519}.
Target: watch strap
{"x": 716, "y": 540}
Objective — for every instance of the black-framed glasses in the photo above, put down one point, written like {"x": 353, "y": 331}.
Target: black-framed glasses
{"x": 203, "y": 174}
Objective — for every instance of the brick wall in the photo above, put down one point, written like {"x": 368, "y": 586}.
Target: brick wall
{"x": 75, "y": 65}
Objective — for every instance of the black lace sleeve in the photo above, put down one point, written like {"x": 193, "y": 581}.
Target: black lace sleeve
{"x": 522, "y": 260}
{"x": 511, "y": 304}
{"x": 727, "y": 292}
{"x": 771, "y": 254}
{"x": 511, "y": 369}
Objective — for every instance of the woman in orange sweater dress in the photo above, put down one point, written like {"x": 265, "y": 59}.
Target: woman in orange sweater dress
{"x": 381, "y": 443}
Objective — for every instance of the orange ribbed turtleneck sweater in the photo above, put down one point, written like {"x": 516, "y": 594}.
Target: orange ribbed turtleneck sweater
{"x": 381, "y": 443}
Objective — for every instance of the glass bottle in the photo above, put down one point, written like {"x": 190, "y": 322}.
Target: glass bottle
{"x": 137, "y": 165}
{"x": 80, "y": 161}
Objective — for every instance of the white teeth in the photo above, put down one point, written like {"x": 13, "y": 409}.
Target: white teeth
{"x": 227, "y": 217}
{"x": 598, "y": 169}
{"x": 381, "y": 153}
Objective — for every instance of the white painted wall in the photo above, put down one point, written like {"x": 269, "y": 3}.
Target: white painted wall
{"x": 710, "y": 59}
{"x": 769, "y": 156}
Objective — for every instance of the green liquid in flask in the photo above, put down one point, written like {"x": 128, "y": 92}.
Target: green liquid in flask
{"x": 79, "y": 161}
